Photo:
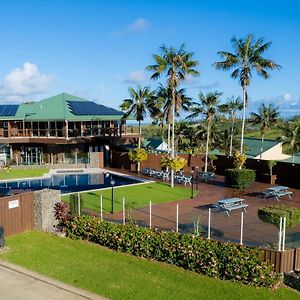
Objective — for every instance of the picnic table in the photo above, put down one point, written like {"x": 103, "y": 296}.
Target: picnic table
{"x": 278, "y": 191}
{"x": 231, "y": 204}
{"x": 207, "y": 176}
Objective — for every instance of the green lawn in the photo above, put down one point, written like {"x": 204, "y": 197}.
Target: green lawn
{"x": 272, "y": 134}
{"x": 24, "y": 173}
{"x": 121, "y": 276}
{"x": 135, "y": 196}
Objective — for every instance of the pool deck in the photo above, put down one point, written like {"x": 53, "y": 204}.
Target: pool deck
{"x": 223, "y": 227}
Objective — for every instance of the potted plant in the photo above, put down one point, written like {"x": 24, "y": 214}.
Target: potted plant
{"x": 271, "y": 164}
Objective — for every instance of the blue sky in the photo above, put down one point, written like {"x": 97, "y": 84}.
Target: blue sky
{"x": 97, "y": 49}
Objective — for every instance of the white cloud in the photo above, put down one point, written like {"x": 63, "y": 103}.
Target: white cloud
{"x": 136, "y": 26}
{"x": 133, "y": 77}
{"x": 24, "y": 82}
{"x": 286, "y": 103}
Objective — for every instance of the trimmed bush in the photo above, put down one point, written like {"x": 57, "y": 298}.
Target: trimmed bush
{"x": 272, "y": 214}
{"x": 239, "y": 178}
{"x": 211, "y": 258}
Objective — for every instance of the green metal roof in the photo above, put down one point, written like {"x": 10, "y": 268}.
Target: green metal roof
{"x": 152, "y": 143}
{"x": 253, "y": 146}
{"x": 296, "y": 159}
{"x": 55, "y": 108}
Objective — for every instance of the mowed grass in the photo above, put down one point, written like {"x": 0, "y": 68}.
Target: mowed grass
{"x": 24, "y": 173}
{"x": 272, "y": 134}
{"x": 136, "y": 196}
{"x": 121, "y": 276}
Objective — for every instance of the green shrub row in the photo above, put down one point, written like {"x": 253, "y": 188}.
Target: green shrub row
{"x": 212, "y": 258}
{"x": 239, "y": 178}
{"x": 272, "y": 214}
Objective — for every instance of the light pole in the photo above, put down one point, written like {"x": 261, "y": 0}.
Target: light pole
{"x": 192, "y": 185}
{"x": 197, "y": 177}
{"x": 112, "y": 183}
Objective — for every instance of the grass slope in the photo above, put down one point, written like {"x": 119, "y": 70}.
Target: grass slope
{"x": 136, "y": 196}
{"x": 121, "y": 276}
{"x": 272, "y": 134}
{"x": 24, "y": 173}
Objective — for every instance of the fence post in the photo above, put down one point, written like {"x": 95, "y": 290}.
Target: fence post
{"x": 150, "y": 214}
{"x": 242, "y": 228}
{"x": 177, "y": 217}
{"x": 78, "y": 202}
{"x": 101, "y": 208}
{"x": 280, "y": 234}
{"x": 208, "y": 228}
{"x": 124, "y": 218}
{"x": 283, "y": 234}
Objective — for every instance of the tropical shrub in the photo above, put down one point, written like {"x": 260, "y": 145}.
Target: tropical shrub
{"x": 211, "y": 258}
{"x": 138, "y": 155}
{"x": 61, "y": 213}
{"x": 239, "y": 159}
{"x": 177, "y": 163}
{"x": 239, "y": 178}
{"x": 272, "y": 214}
{"x": 271, "y": 164}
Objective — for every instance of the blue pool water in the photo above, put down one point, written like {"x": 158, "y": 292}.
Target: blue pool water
{"x": 68, "y": 183}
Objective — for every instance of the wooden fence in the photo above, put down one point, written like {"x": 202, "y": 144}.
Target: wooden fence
{"x": 285, "y": 171}
{"x": 17, "y": 213}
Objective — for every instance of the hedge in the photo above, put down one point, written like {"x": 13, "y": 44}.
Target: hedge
{"x": 272, "y": 214}
{"x": 211, "y": 258}
{"x": 239, "y": 178}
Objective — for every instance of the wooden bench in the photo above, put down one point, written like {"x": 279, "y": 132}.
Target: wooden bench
{"x": 233, "y": 207}
{"x": 281, "y": 194}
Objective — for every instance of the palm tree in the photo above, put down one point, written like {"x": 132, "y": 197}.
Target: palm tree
{"x": 208, "y": 107}
{"x": 267, "y": 116}
{"x": 231, "y": 107}
{"x": 176, "y": 65}
{"x": 247, "y": 57}
{"x": 137, "y": 105}
{"x": 161, "y": 105}
{"x": 291, "y": 135}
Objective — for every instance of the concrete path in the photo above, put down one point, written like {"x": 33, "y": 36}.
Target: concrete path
{"x": 17, "y": 283}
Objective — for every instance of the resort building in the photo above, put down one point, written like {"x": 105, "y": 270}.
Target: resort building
{"x": 272, "y": 150}
{"x": 57, "y": 129}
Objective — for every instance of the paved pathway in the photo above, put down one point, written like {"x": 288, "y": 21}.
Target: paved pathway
{"x": 223, "y": 227}
{"x": 17, "y": 283}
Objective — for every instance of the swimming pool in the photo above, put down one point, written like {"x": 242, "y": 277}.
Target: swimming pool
{"x": 68, "y": 183}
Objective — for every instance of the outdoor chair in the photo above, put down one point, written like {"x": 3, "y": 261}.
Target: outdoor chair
{"x": 146, "y": 171}
{"x": 184, "y": 179}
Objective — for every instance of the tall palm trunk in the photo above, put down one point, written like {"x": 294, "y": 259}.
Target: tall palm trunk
{"x": 207, "y": 144}
{"x": 231, "y": 136}
{"x": 173, "y": 133}
{"x": 140, "y": 135}
{"x": 262, "y": 145}
{"x": 139, "y": 145}
{"x": 169, "y": 137}
{"x": 244, "y": 118}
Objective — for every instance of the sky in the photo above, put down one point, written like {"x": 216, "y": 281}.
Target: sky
{"x": 97, "y": 49}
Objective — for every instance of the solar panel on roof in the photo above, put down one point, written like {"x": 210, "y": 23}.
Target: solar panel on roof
{"x": 89, "y": 108}
{"x": 8, "y": 110}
